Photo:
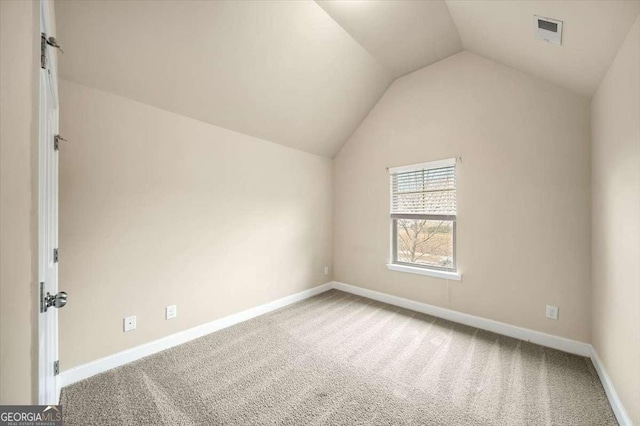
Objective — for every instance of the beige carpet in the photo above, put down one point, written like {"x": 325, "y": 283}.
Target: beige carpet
{"x": 342, "y": 359}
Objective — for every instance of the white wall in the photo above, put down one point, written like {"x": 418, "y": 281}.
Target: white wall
{"x": 159, "y": 209}
{"x": 523, "y": 192}
{"x": 19, "y": 38}
{"x": 615, "y": 121}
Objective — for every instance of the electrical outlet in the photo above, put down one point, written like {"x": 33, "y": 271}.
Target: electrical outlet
{"x": 130, "y": 323}
{"x": 172, "y": 311}
{"x": 552, "y": 312}
{"x": 326, "y": 270}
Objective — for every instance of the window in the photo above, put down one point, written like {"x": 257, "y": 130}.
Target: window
{"x": 423, "y": 219}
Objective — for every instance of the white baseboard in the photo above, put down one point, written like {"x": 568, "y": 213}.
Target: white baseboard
{"x": 101, "y": 365}
{"x": 618, "y": 409}
{"x": 544, "y": 339}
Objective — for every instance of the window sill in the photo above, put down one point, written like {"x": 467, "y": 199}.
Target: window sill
{"x": 424, "y": 271}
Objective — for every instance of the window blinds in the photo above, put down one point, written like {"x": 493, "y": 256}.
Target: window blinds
{"x": 425, "y": 191}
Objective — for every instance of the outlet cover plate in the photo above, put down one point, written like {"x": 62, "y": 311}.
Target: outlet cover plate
{"x": 171, "y": 312}
{"x": 130, "y": 323}
{"x": 552, "y": 312}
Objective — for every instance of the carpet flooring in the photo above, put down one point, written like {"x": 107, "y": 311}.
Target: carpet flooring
{"x": 340, "y": 359}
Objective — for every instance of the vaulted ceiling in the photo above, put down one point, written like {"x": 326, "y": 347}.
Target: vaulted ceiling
{"x": 593, "y": 31}
{"x": 305, "y": 74}
{"x": 403, "y": 36}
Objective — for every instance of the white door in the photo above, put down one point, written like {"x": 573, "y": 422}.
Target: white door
{"x": 49, "y": 385}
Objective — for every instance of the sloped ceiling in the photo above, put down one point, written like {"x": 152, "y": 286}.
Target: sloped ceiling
{"x": 283, "y": 71}
{"x": 403, "y": 35}
{"x": 593, "y": 31}
{"x": 304, "y": 73}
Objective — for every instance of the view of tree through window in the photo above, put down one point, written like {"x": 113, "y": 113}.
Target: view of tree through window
{"x": 423, "y": 215}
{"x": 425, "y": 242}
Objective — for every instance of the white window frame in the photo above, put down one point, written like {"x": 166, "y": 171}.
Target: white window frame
{"x": 434, "y": 271}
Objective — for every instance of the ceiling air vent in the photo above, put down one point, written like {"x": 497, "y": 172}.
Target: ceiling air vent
{"x": 547, "y": 29}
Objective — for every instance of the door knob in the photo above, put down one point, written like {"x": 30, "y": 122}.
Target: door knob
{"x": 57, "y": 301}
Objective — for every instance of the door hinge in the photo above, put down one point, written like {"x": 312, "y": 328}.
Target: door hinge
{"x": 56, "y": 368}
{"x": 56, "y": 142}
{"x": 55, "y": 255}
